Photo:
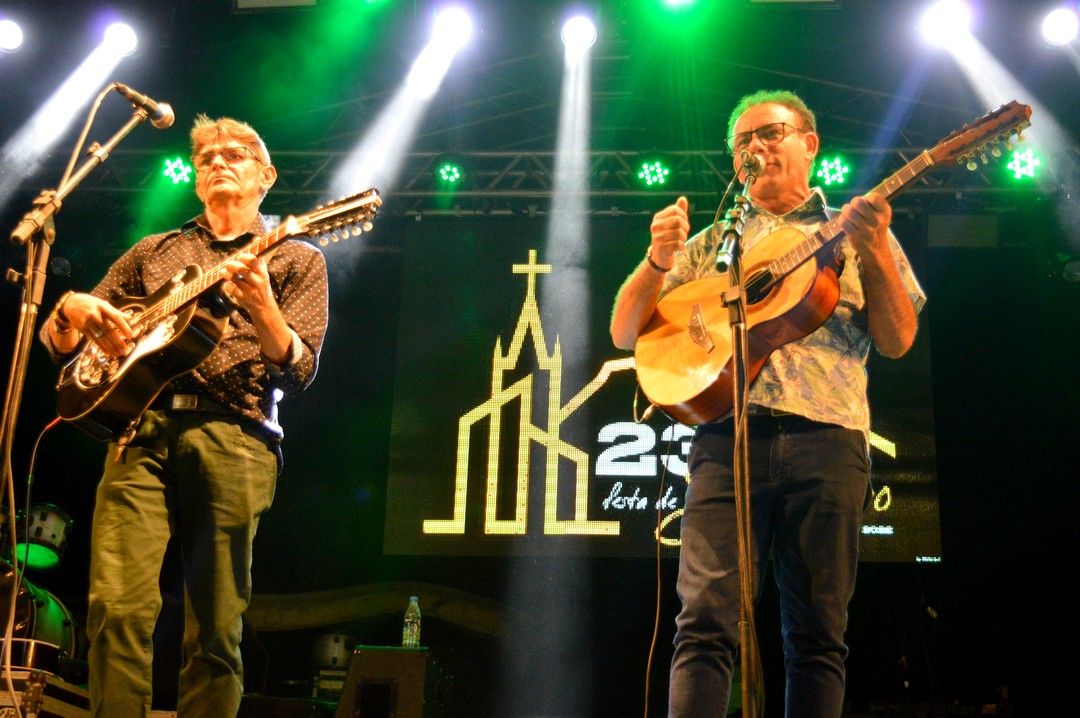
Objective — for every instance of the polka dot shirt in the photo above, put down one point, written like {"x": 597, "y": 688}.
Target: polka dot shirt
{"x": 236, "y": 375}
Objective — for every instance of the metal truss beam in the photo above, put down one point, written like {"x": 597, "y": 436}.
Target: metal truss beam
{"x": 523, "y": 182}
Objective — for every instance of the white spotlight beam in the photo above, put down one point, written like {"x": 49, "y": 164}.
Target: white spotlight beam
{"x": 566, "y": 293}
{"x": 996, "y": 86}
{"x": 564, "y": 302}
{"x": 1073, "y": 56}
{"x": 21, "y": 155}
{"x": 377, "y": 160}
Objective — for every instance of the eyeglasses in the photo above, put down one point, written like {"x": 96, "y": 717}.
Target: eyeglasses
{"x": 231, "y": 155}
{"x": 769, "y": 134}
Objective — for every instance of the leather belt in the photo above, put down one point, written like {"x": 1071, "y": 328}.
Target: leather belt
{"x": 759, "y": 410}
{"x": 198, "y": 402}
{"x": 189, "y": 402}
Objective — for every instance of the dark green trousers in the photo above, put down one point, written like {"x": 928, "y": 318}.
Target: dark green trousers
{"x": 204, "y": 479}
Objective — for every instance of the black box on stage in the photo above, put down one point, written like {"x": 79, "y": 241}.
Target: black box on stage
{"x": 256, "y": 706}
{"x": 390, "y": 682}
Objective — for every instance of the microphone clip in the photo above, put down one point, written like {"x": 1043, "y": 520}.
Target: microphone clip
{"x": 733, "y": 224}
{"x": 751, "y": 164}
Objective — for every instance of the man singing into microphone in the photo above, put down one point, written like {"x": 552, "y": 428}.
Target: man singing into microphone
{"x": 202, "y": 465}
{"x": 808, "y": 421}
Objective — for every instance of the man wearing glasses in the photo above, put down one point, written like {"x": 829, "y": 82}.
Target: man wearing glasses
{"x": 808, "y": 423}
{"x": 203, "y": 462}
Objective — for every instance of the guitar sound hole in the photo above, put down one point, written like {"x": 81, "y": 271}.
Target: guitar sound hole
{"x": 94, "y": 367}
{"x": 758, "y": 286}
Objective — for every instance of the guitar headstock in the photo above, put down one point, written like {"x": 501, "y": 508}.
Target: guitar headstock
{"x": 975, "y": 139}
{"x": 348, "y": 216}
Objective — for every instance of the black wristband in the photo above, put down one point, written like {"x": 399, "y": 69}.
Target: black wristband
{"x": 654, "y": 265}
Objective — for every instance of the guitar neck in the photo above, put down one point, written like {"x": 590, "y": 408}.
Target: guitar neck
{"x": 190, "y": 292}
{"x": 891, "y": 187}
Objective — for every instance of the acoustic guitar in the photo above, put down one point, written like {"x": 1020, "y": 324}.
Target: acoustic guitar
{"x": 684, "y": 355}
{"x": 175, "y": 331}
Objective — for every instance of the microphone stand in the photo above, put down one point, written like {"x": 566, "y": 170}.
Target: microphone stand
{"x": 729, "y": 259}
{"x": 37, "y": 231}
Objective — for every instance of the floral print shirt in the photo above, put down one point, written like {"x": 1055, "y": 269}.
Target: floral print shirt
{"x": 823, "y": 375}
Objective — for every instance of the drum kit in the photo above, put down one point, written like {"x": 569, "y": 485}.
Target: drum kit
{"x": 44, "y": 630}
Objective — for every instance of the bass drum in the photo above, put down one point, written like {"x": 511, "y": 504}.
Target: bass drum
{"x": 44, "y": 628}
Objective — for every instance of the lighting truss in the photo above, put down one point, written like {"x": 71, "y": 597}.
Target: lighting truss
{"x": 521, "y": 182}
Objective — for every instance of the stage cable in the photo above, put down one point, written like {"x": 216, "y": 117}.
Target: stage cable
{"x": 659, "y": 557}
{"x": 16, "y": 578}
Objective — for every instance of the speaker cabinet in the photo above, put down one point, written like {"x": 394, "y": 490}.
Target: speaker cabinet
{"x": 389, "y": 682}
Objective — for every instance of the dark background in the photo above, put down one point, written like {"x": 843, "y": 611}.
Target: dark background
{"x": 988, "y": 625}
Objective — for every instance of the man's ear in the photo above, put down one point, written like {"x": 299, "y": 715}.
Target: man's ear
{"x": 269, "y": 177}
{"x": 812, "y": 144}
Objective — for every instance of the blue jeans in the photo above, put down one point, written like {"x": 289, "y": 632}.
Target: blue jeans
{"x": 205, "y": 480}
{"x": 809, "y": 484}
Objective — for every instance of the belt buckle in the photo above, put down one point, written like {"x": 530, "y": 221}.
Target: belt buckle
{"x": 185, "y": 402}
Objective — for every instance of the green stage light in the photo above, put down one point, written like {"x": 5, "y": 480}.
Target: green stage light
{"x": 449, "y": 174}
{"x": 1023, "y": 165}
{"x": 832, "y": 170}
{"x": 178, "y": 170}
{"x": 654, "y": 173}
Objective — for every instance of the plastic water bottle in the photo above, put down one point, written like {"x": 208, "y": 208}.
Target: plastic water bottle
{"x": 410, "y": 633}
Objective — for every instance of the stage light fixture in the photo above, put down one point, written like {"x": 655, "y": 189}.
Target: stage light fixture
{"x": 1060, "y": 26}
{"x": 944, "y": 21}
{"x": 653, "y": 173}
{"x": 178, "y": 170}
{"x": 11, "y": 36}
{"x": 578, "y": 34}
{"x": 453, "y": 28}
{"x": 121, "y": 38}
{"x": 1023, "y": 165}
{"x": 832, "y": 170}
{"x": 449, "y": 174}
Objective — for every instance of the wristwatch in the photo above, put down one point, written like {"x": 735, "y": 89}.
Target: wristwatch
{"x": 652, "y": 263}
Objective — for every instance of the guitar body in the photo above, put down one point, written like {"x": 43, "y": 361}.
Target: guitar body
{"x": 102, "y": 394}
{"x": 684, "y": 354}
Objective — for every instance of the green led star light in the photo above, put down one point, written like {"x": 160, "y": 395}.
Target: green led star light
{"x": 832, "y": 171}
{"x": 178, "y": 170}
{"x": 653, "y": 174}
{"x": 449, "y": 173}
{"x": 1023, "y": 164}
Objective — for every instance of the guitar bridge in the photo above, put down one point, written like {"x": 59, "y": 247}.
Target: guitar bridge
{"x": 699, "y": 332}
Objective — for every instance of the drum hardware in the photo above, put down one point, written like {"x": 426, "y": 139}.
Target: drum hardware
{"x": 41, "y": 539}
{"x": 44, "y": 630}
{"x": 333, "y": 650}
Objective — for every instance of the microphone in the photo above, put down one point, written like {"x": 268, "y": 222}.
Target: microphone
{"x": 161, "y": 113}
{"x": 751, "y": 163}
